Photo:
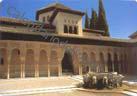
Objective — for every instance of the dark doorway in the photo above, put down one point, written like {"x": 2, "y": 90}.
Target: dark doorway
{"x": 116, "y": 69}
{"x": 110, "y": 69}
{"x": 67, "y": 63}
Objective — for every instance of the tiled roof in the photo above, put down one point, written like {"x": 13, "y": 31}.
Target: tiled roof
{"x": 93, "y": 31}
{"x": 24, "y": 22}
{"x": 133, "y": 35}
{"x": 100, "y": 38}
{"x": 57, "y": 5}
{"x": 13, "y": 20}
{"x": 17, "y": 21}
{"x": 59, "y": 8}
{"x": 25, "y": 31}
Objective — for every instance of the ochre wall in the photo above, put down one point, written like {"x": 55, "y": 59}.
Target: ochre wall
{"x": 96, "y": 58}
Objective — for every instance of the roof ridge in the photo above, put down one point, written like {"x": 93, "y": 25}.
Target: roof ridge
{"x": 56, "y": 4}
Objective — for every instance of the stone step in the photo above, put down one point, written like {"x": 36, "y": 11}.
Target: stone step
{"x": 77, "y": 78}
{"x": 36, "y": 91}
{"x": 129, "y": 93}
{"x": 132, "y": 90}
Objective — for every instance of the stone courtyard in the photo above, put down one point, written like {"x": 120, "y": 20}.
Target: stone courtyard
{"x": 76, "y": 93}
{"x": 29, "y": 83}
{"x": 49, "y": 55}
{"x": 56, "y": 86}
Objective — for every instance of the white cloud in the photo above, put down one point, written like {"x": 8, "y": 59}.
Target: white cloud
{"x": 131, "y": 0}
{"x": 135, "y": 0}
{"x": 1, "y": 1}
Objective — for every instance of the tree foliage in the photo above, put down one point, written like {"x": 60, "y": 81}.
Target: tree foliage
{"x": 86, "y": 21}
{"x": 102, "y": 22}
{"x": 93, "y": 21}
{"x": 98, "y": 22}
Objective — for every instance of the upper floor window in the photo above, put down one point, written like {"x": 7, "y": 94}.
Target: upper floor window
{"x": 65, "y": 29}
{"x": 48, "y": 18}
{"x": 75, "y": 30}
{"x": 18, "y": 52}
{"x": 43, "y": 19}
{"x": 70, "y": 30}
{"x": 1, "y": 61}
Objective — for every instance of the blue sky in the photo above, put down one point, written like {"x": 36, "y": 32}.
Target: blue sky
{"x": 121, "y": 14}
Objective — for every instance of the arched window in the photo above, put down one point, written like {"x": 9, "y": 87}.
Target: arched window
{"x": 70, "y": 30}
{"x": 75, "y": 30}
{"x": 65, "y": 29}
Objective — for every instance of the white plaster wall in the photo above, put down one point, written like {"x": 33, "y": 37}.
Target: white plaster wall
{"x": 71, "y": 19}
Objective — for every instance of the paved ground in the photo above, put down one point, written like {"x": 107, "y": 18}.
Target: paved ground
{"x": 76, "y": 93}
{"x": 28, "y": 83}
{"x": 55, "y": 86}
{"x": 18, "y": 84}
{"x": 17, "y": 87}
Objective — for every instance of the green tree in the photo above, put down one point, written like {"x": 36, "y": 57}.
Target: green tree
{"x": 102, "y": 22}
{"x": 86, "y": 21}
{"x": 93, "y": 20}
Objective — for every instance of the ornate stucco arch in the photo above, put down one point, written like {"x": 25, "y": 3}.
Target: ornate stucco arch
{"x": 93, "y": 63}
{"x": 15, "y": 63}
{"x": 3, "y": 62}
{"x": 102, "y": 62}
{"x": 43, "y": 64}
{"x": 30, "y": 63}
{"x": 54, "y": 63}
